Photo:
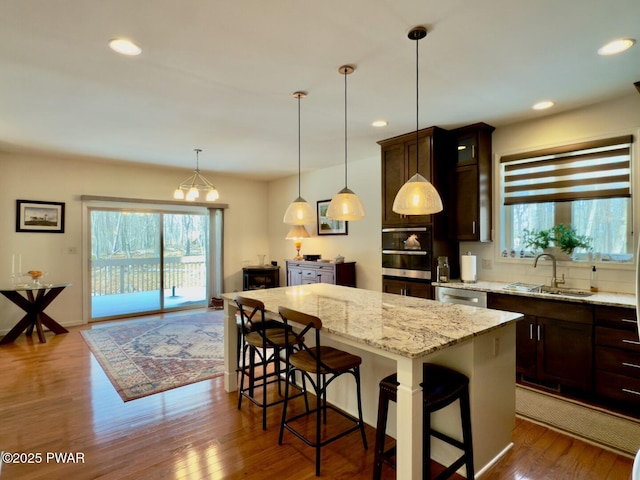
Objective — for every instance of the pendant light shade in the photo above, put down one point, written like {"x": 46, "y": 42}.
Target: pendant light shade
{"x": 345, "y": 205}
{"x": 417, "y": 196}
{"x": 190, "y": 188}
{"x": 299, "y": 212}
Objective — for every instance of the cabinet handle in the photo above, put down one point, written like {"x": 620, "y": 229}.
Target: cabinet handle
{"x": 473, "y": 227}
{"x": 531, "y": 331}
{"x": 473, "y": 151}
{"x": 539, "y": 329}
{"x": 626, "y": 390}
{"x": 628, "y": 320}
{"x": 632, "y": 342}
{"x": 627, "y": 364}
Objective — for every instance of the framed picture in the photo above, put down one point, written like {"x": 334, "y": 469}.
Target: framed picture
{"x": 326, "y": 226}
{"x": 36, "y": 216}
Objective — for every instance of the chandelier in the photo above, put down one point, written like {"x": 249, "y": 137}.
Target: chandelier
{"x": 190, "y": 188}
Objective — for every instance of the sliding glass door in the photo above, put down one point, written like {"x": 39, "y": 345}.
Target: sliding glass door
{"x": 147, "y": 261}
{"x": 184, "y": 260}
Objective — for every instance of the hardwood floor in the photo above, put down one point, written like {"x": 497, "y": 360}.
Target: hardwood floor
{"x": 54, "y": 397}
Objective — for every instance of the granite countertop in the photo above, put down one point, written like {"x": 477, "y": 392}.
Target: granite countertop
{"x": 408, "y": 326}
{"x": 598, "y": 298}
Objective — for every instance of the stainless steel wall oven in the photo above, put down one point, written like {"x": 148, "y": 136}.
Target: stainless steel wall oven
{"x": 407, "y": 252}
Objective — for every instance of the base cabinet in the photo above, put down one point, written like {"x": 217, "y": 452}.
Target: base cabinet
{"x": 554, "y": 341}
{"x": 617, "y": 356}
{"x": 409, "y": 288}
{"x": 303, "y": 273}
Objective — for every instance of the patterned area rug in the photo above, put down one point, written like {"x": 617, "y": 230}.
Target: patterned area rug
{"x": 602, "y": 427}
{"x": 143, "y": 357}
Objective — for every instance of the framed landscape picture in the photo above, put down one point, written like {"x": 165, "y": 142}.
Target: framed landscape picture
{"x": 37, "y": 216}
{"x": 326, "y": 226}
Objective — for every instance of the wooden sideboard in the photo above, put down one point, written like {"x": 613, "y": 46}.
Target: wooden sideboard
{"x": 302, "y": 272}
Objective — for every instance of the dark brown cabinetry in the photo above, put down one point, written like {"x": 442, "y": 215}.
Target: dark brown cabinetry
{"x": 471, "y": 190}
{"x": 617, "y": 356}
{"x": 411, "y": 288}
{"x": 399, "y": 164}
{"x": 554, "y": 341}
{"x": 435, "y": 160}
{"x": 302, "y": 273}
{"x": 255, "y": 278}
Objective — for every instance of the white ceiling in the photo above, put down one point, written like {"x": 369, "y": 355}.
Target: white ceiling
{"x": 219, "y": 74}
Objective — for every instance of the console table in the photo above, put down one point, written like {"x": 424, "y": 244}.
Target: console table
{"x": 23, "y": 296}
{"x": 305, "y": 272}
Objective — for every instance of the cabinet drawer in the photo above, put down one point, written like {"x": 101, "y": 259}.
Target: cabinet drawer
{"x": 309, "y": 274}
{"x": 617, "y": 361}
{"x": 616, "y": 317}
{"x": 618, "y": 387}
{"x": 623, "y": 339}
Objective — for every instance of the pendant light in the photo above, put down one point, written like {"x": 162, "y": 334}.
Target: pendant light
{"x": 345, "y": 205}
{"x": 417, "y": 196}
{"x": 299, "y": 212}
{"x": 190, "y": 188}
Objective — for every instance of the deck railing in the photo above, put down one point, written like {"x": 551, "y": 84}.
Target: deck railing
{"x": 128, "y": 275}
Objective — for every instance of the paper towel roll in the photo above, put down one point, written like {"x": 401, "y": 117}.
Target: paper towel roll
{"x": 468, "y": 269}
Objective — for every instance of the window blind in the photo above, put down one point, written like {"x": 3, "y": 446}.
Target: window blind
{"x": 598, "y": 169}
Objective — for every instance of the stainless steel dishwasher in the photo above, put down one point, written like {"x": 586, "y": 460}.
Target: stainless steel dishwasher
{"x": 471, "y": 298}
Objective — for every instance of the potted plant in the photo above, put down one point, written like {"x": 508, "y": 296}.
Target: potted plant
{"x": 560, "y": 237}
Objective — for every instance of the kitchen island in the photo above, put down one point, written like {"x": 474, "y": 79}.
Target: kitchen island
{"x": 393, "y": 333}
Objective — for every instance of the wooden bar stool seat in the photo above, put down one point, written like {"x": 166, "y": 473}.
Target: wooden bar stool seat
{"x": 441, "y": 386}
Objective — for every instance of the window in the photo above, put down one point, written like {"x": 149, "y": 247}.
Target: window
{"x": 586, "y": 185}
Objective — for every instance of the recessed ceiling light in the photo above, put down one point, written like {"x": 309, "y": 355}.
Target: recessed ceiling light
{"x": 380, "y": 123}
{"x": 124, "y": 47}
{"x": 616, "y": 46}
{"x": 543, "y": 105}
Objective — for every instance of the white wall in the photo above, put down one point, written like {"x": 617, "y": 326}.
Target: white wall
{"x": 59, "y": 179}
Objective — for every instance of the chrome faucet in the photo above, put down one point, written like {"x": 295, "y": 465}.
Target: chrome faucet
{"x": 554, "y": 280}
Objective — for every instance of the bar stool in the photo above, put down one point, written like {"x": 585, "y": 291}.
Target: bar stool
{"x": 321, "y": 365}
{"x": 264, "y": 342}
{"x": 441, "y": 386}
{"x": 388, "y": 389}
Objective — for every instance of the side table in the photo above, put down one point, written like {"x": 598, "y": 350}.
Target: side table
{"x": 34, "y": 306}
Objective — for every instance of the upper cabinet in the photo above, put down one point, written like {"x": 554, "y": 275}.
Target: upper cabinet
{"x": 471, "y": 189}
{"x": 399, "y": 165}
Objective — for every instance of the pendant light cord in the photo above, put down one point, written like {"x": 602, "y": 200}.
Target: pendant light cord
{"x": 345, "y": 127}
{"x": 417, "y": 110}
{"x": 299, "y": 96}
{"x": 197, "y": 150}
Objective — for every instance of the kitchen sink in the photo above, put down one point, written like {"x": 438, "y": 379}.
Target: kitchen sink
{"x": 565, "y": 292}
{"x": 538, "y": 288}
